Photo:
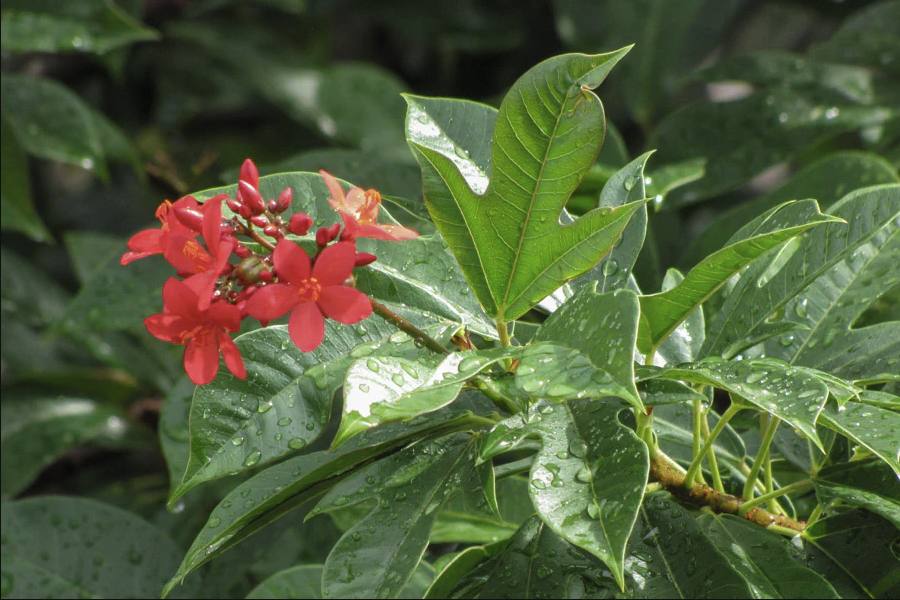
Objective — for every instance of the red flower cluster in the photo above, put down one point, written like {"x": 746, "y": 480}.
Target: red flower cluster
{"x": 216, "y": 293}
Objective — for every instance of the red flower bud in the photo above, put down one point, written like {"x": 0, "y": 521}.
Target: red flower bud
{"x": 259, "y": 221}
{"x": 190, "y": 218}
{"x": 270, "y": 230}
{"x": 244, "y": 211}
{"x": 266, "y": 276}
{"x": 273, "y": 206}
{"x": 300, "y": 223}
{"x": 364, "y": 258}
{"x": 284, "y": 200}
{"x": 250, "y": 174}
{"x": 326, "y": 235}
{"x": 251, "y": 197}
{"x": 234, "y": 206}
{"x": 242, "y": 251}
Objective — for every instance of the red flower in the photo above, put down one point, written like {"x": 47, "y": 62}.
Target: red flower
{"x": 311, "y": 296}
{"x": 202, "y": 331}
{"x": 149, "y": 242}
{"x": 359, "y": 211}
{"x": 200, "y": 265}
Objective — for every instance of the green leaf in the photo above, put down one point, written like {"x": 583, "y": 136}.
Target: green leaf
{"x": 833, "y": 303}
{"x": 868, "y": 36}
{"x": 826, "y": 180}
{"x": 544, "y": 142}
{"x": 689, "y": 558}
{"x": 71, "y": 547}
{"x": 880, "y": 399}
{"x": 855, "y": 545}
{"x": 874, "y": 428}
{"x": 281, "y": 488}
{"x": 18, "y": 213}
{"x": 537, "y": 563}
{"x": 285, "y": 401}
{"x": 588, "y": 478}
{"x": 174, "y": 430}
{"x": 52, "y": 122}
{"x": 869, "y": 484}
{"x": 769, "y": 285}
{"x": 656, "y": 392}
{"x": 304, "y": 581}
{"x": 685, "y": 341}
{"x": 458, "y": 566}
{"x": 763, "y": 559}
{"x": 662, "y": 313}
{"x": 469, "y": 519}
{"x": 601, "y": 329}
{"x": 87, "y": 26}
{"x": 37, "y": 429}
{"x": 379, "y": 554}
{"x": 769, "y": 385}
{"x": 387, "y": 389}
{"x": 742, "y": 138}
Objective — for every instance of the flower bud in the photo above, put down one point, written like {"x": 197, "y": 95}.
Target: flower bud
{"x": 273, "y": 206}
{"x": 363, "y": 259}
{"x": 300, "y": 223}
{"x": 190, "y": 218}
{"x": 259, "y": 221}
{"x": 266, "y": 276}
{"x": 270, "y": 230}
{"x": 326, "y": 235}
{"x": 251, "y": 197}
{"x": 250, "y": 174}
{"x": 244, "y": 211}
{"x": 242, "y": 251}
{"x": 234, "y": 206}
{"x": 284, "y": 200}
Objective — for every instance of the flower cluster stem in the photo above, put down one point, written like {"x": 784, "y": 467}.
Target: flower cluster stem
{"x": 403, "y": 325}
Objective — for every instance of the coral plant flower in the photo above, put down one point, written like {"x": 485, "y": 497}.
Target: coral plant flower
{"x": 150, "y": 241}
{"x": 311, "y": 293}
{"x": 359, "y": 211}
{"x": 203, "y": 332}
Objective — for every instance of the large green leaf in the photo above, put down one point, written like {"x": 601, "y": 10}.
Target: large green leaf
{"x": 869, "y": 484}
{"x": 453, "y": 568}
{"x": 874, "y": 428}
{"x": 305, "y": 581}
{"x": 72, "y": 547}
{"x": 868, "y": 36}
{"x": 684, "y": 342}
{"x": 826, "y": 180}
{"x": 470, "y": 519}
{"x": 662, "y": 313}
{"x": 767, "y": 286}
{"x": 52, "y": 122}
{"x": 769, "y": 385}
{"x": 281, "y": 488}
{"x": 385, "y": 389}
{"x": 379, "y": 554}
{"x": 833, "y": 303}
{"x": 601, "y": 329}
{"x": 588, "y": 478}
{"x": 763, "y": 559}
{"x": 285, "y": 401}
{"x": 740, "y": 139}
{"x": 18, "y": 213}
{"x": 507, "y": 235}
{"x": 683, "y": 551}
{"x": 854, "y": 549}
{"x": 85, "y": 26}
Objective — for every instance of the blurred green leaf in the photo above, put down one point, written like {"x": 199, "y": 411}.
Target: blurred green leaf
{"x": 868, "y": 36}
{"x": 304, "y": 581}
{"x": 18, "y": 212}
{"x": 868, "y": 484}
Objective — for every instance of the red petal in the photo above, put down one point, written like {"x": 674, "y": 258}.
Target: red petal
{"x": 306, "y": 326}
{"x": 399, "y": 232}
{"x": 201, "y": 359}
{"x": 356, "y": 201}
{"x": 185, "y": 254}
{"x": 272, "y": 301}
{"x": 225, "y": 315}
{"x": 232, "y": 355}
{"x": 167, "y": 327}
{"x": 129, "y": 257}
{"x": 335, "y": 264}
{"x": 291, "y": 262}
{"x": 146, "y": 241}
{"x": 392, "y": 233}
{"x": 337, "y": 200}
{"x": 179, "y": 298}
{"x": 204, "y": 284}
{"x": 344, "y": 304}
{"x": 212, "y": 221}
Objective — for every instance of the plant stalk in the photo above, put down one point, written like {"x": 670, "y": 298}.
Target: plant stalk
{"x": 403, "y": 325}
{"x": 761, "y": 457}
{"x": 800, "y": 486}
{"x": 694, "y": 467}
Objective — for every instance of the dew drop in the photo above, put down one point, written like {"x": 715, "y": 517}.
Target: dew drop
{"x": 252, "y": 458}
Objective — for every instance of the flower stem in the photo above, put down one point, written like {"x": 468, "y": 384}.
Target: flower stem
{"x": 258, "y": 238}
{"x": 403, "y": 325}
{"x": 694, "y": 468}
{"x": 711, "y": 455}
{"x": 502, "y": 402}
{"x": 800, "y": 486}
{"x": 761, "y": 457}
{"x": 697, "y": 435}
{"x": 503, "y": 332}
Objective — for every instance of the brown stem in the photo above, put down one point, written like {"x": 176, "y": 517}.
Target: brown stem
{"x": 671, "y": 478}
{"x": 259, "y": 239}
{"x": 402, "y": 324}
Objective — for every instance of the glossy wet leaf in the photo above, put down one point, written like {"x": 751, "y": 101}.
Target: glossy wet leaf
{"x": 18, "y": 213}
{"x": 537, "y": 563}
{"x": 763, "y": 559}
{"x": 543, "y": 145}
{"x": 382, "y": 390}
{"x": 281, "y": 488}
{"x": 689, "y": 558}
{"x": 880, "y": 399}
{"x": 830, "y": 307}
{"x": 869, "y": 484}
{"x": 685, "y": 341}
{"x": 600, "y": 330}
{"x": 656, "y": 392}
{"x": 827, "y": 180}
{"x": 39, "y": 428}
{"x": 855, "y": 549}
{"x": 73, "y": 547}
{"x": 769, "y": 385}
{"x": 662, "y": 313}
{"x": 87, "y": 26}
{"x": 588, "y": 478}
{"x": 770, "y": 284}
{"x": 458, "y": 566}
{"x": 469, "y": 519}
{"x": 874, "y": 428}
{"x": 51, "y": 122}
{"x": 379, "y": 554}
{"x": 285, "y": 401}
